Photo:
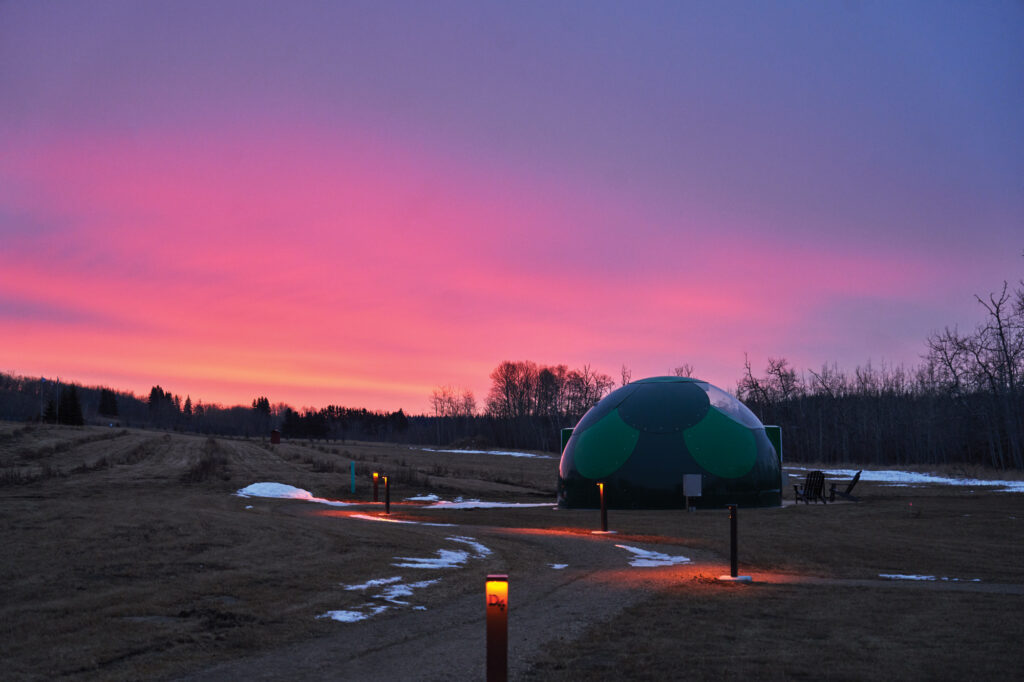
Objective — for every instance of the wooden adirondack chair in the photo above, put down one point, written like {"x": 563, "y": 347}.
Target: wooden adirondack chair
{"x": 845, "y": 494}
{"x": 814, "y": 488}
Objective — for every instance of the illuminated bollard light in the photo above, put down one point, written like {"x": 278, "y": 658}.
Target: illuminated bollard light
{"x": 604, "y": 513}
{"x": 375, "y": 476}
{"x": 387, "y": 496}
{"x": 497, "y": 627}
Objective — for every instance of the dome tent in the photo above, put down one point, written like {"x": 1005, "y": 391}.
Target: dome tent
{"x": 640, "y": 440}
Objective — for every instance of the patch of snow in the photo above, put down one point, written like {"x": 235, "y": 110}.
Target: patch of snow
{"x": 345, "y": 616}
{"x": 480, "y": 550}
{"x": 932, "y": 578}
{"x": 286, "y": 492}
{"x": 558, "y": 567}
{"x": 392, "y": 593}
{"x": 423, "y": 498}
{"x": 373, "y": 583}
{"x": 459, "y": 503}
{"x": 354, "y": 616}
{"x": 893, "y": 476}
{"x": 248, "y": 506}
{"x": 504, "y": 453}
{"x": 647, "y": 558}
{"x": 446, "y": 558}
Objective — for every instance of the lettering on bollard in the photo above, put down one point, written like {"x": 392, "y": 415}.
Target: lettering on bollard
{"x": 495, "y": 600}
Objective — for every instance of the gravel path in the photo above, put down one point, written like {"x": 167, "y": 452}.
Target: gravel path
{"x": 447, "y": 642}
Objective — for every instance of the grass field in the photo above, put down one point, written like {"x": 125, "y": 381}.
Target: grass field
{"x": 127, "y": 555}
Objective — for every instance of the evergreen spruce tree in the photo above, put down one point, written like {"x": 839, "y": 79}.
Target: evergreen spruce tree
{"x": 70, "y": 407}
{"x": 156, "y": 398}
{"x": 108, "y": 403}
{"x": 50, "y": 415}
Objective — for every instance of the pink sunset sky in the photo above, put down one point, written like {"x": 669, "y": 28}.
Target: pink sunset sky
{"x": 352, "y": 203}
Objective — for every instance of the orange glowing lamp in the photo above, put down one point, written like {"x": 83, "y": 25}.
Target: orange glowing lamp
{"x": 497, "y": 627}
{"x": 375, "y": 477}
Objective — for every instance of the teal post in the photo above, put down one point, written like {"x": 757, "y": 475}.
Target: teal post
{"x": 352, "y": 476}
{"x": 774, "y": 434}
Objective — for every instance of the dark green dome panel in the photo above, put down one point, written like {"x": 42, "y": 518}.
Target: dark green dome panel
{"x": 605, "y": 446}
{"x": 722, "y": 446}
{"x": 671, "y": 408}
{"x": 642, "y": 439}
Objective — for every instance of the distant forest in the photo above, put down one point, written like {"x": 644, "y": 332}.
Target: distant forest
{"x": 963, "y": 404}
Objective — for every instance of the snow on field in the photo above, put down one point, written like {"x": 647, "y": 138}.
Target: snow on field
{"x": 286, "y": 492}
{"x": 480, "y": 550}
{"x": 646, "y": 558}
{"x": 904, "y": 576}
{"x": 373, "y": 583}
{"x": 907, "y": 478}
{"x": 558, "y": 567}
{"x": 354, "y": 616}
{"x": 459, "y": 503}
{"x": 504, "y": 453}
{"x": 393, "y": 592}
{"x": 446, "y": 558}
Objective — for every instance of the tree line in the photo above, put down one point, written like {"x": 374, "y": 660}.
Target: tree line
{"x": 53, "y": 401}
{"x": 962, "y": 404}
{"x": 343, "y": 423}
{"x": 527, "y": 405}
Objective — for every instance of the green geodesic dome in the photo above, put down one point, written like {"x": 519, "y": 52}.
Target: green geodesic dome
{"x": 642, "y": 439}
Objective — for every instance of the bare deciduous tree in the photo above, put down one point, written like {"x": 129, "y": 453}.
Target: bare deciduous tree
{"x": 683, "y": 370}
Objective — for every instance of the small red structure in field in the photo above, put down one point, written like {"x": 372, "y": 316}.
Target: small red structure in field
{"x": 275, "y": 437}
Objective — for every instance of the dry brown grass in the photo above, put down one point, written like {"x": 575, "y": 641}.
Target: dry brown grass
{"x": 698, "y": 630}
{"x": 126, "y": 556}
